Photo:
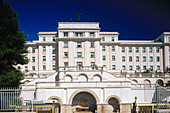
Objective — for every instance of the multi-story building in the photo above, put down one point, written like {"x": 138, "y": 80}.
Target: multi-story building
{"x": 81, "y": 62}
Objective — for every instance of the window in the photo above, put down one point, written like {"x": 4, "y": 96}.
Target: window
{"x": 92, "y": 44}
{"x": 157, "y": 49}
{"x": 26, "y": 68}
{"x": 33, "y": 68}
{"x": 144, "y": 59}
{"x": 66, "y": 64}
{"x": 33, "y": 59}
{"x": 104, "y": 57}
{"x": 44, "y": 58}
{"x": 144, "y": 67}
{"x": 33, "y": 50}
{"x": 92, "y": 34}
{"x": 53, "y": 57}
{"x": 92, "y": 63}
{"x": 168, "y": 39}
{"x": 130, "y": 49}
{"x": 79, "y": 54}
{"x": 65, "y": 54}
{"x": 123, "y": 58}
{"x": 54, "y": 39}
{"x": 157, "y": 58}
{"x": 113, "y": 58}
{"x": 130, "y": 58}
{"x": 44, "y": 48}
{"x": 53, "y": 49}
{"x": 44, "y": 67}
{"x": 169, "y": 49}
{"x": 150, "y": 49}
{"x": 137, "y": 58}
{"x": 130, "y": 67}
{"x": 137, "y": 49}
{"x": 103, "y": 48}
{"x": 151, "y": 59}
{"x": 123, "y": 67}
{"x": 123, "y": 49}
{"x": 144, "y": 50}
{"x": 78, "y": 44}
{"x": 113, "y": 48}
{"x": 19, "y": 68}
{"x": 151, "y": 68}
{"x": 65, "y": 34}
{"x": 113, "y": 39}
{"x": 79, "y": 34}
{"x": 92, "y": 54}
{"x": 53, "y": 67}
{"x": 65, "y": 44}
{"x": 79, "y": 64}
{"x": 43, "y": 38}
{"x": 103, "y": 38}
{"x": 137, "y": 67}
{"x": 158, "y": 67}
{"x": 113, "y": 67}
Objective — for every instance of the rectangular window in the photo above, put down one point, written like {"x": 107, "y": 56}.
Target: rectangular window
{"x": 44, "y": 48}
{"x": 79, "y": 54}
{"x": 169, "y": 49}
{"x": 113, "y": 57}
{"x": 130, "y": 58}
{"x": 144, "y": 59}
{"x": 79, "y": 34}
{"x": 130, "y": 67}
{"x": 123, "y": 67}
{"x": 137, "y": 58}
{"x": 79, "y": 64}
{"x": 54, "y": 39}
{"x": 53, "y": 49}
{"x": 158, "y": 67}
{"x": 43, "y": 38}
{"x": 104, "y": 57}
{"x": 53, "y": 67}
{"x": 19, "y": 68}
{"x": 150, "y": 49}
{"x": 144, "y": 67}
{"x": 151, "y": 68}
{"x": 44, "y": 67}
{"x": 92, "y": 54}
{"x": 144, "y": 50}
{"x": 92, "y": 63}
{"x": 103, "y": 48}
{"x": 44, "y": 58}
{"x": 103, "y": 38}
{"x": 168, "y": 39}
{"x": 151, "y": 59}
{"x": 157, "y": 49}
{"x": 33, "y": 50}
{"x": 92, "y": 44}
{"x": 123, "y": 58}
{"x": 123, "y": 49}
{"x": 65, "y": 54}
{"x": 33, "y": 59}
{"x": 92, "y": 34}
{"x": 65, "y": 44}
{"x": 33, "y": 68}
{"x": 157, "y": 58}
{"x": 137, "y": 49}
{"x": 78, "y": 44}
{"x": 65, "y": 34}
{"x": 137, "y": 67}
{"x": 113, "y": 39}
{"x": 26, "y": 68}
{"x": 113, "y": 67}
{"x": 113, "y": 48}
{"x": 130, "y": 49}
{"x": 54, "y": 58}
{"x": 66, "y": 64}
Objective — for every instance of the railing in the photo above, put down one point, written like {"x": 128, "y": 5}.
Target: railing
{"x": 81, "y": 68}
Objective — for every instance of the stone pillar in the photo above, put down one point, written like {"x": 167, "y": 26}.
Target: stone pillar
{"x": 66, "y": 108}
{"x": 125, "y": 107}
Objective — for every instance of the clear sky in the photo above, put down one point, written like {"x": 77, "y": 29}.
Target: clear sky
{"x": 133, "y": 19}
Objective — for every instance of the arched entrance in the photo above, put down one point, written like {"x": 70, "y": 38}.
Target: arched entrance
{"x": 85, "y": 99}
{"x": 57, "y": 101}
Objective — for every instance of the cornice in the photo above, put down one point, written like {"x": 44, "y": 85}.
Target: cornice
{"x": 78, "y": 39}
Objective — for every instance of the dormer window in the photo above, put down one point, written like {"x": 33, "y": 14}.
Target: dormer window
{"x": 79, "y": 34}
{"x": 65, "y": 34}
{"x": 92, "y": 34}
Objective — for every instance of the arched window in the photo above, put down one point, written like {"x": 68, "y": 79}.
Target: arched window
{"x": 83, "y": 78}
{"x": 147, "y": 83}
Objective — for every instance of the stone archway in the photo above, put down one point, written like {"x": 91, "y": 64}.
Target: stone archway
{"x": 114, "y": 101}
{"x": 57, "y": 105}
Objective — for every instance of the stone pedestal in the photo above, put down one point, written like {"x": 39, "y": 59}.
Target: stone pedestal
{"x": 104, "y": 108}
{"x": 66, "y": 108}
{"x": 125, "y": 108}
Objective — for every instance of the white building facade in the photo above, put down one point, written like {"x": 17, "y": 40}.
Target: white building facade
{"x": 80, "y": 65}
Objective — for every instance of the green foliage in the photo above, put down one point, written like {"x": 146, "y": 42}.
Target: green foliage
{"x": 12, "y": 47}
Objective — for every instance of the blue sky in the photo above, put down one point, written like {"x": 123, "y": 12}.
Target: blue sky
{"x": 133, "y": 19}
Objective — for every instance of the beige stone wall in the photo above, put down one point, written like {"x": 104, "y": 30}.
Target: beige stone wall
{"x": 125, "y": 108}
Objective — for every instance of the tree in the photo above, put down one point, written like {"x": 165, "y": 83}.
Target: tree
{"x": 12, "y": 47}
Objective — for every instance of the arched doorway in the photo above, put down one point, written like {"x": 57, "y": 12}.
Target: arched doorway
{"x": 85, "y": 99}
{"x": 115, "y": 104}
{"x": 57, "y": 101}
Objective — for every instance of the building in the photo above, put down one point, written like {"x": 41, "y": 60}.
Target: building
{"x": 80, "y": 65}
